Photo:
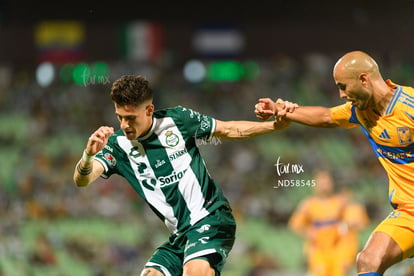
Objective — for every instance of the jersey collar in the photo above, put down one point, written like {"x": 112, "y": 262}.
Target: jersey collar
{"x": 149, "y": 133}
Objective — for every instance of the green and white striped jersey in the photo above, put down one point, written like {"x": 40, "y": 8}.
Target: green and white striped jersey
{"x": 165, "y": 167}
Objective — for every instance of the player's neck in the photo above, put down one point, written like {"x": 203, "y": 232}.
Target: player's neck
{"x": 382, "y": 99}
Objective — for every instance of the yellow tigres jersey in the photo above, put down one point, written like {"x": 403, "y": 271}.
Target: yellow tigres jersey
{"x": 323, "y": 216}
{"x": 391, "y": 137}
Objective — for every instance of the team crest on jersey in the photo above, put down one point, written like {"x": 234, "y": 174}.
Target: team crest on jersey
{"x": 110, "y": 159}
{"x": 171, "y": 139}
{"x": 404, "y": 135}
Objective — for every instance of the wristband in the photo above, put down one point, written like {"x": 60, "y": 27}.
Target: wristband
{"x": 87, "y": 158}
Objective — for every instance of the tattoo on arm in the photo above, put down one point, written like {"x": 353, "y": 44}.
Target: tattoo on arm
{"x": 240, "y": 133}
{"x": 83, "y": 170}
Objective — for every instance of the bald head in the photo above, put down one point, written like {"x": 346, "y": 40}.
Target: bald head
{"x": 354, "y": 63}
{"x": 360, "y": 82}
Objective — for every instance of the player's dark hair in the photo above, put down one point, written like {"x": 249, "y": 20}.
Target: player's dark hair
{"x": 131, "y": 90}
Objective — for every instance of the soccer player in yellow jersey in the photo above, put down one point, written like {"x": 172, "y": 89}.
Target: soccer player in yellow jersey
{"x": 354, "y": 219}
{"x": 385, "y": 112}
{"x": 319, "y": 219}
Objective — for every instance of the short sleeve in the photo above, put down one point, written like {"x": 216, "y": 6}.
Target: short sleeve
{"x": 108, "y": 158}
{"x": 344, "y": 115}
{"x": 196, "y": 124}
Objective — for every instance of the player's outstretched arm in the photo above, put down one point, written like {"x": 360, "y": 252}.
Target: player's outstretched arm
{"x": 316, "y": 116}
{"x": 88, "y": 169}
{"x": 239, "y": 130}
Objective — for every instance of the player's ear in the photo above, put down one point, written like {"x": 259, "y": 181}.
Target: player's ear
{"x": 363, "y": 78}
{"x": 150, "y": 109}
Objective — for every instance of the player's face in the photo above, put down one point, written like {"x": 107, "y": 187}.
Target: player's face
{"x": 353, "y": 91}
{"x": 324, "y": 183}
{"x": 135, "y": 121}
{"x": 357, "y": 96}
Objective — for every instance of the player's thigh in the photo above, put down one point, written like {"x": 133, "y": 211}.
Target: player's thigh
{"x": 198, "y": 267}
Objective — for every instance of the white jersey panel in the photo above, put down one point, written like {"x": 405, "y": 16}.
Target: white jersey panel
{"x": 154, "y": 197}
{"x": 180, "y": 160}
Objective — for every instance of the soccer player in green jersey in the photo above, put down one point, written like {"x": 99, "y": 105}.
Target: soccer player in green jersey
{"x": 156, "y": 151}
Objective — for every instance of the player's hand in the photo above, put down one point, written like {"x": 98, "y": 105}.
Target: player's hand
{"x": 265, "y": 109}
{"x": 284, "y": 107}
{"x": 281, "y": 123}
{"x": 98, "y": 140}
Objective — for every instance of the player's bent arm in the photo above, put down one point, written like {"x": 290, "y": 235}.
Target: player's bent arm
{"x": 298, "y": 221}
{"x": 297, "y": 226}
{"x": 316, "y": 116}
{"x": 86, "y": 173}
{"x": 239, "y": 130}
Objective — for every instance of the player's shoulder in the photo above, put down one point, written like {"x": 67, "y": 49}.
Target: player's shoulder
{"x": 117, "y": 133}
{"x": 344, "y": 107}
{"x": 407, "y": 90}
{"x": 114, "y": 137}
{"x": 168, "y": 112}
{"x": 178, "y": 111}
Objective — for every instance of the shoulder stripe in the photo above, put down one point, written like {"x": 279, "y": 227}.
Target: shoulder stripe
{"x": 406, "y": 99}
{"x": 394, "y": 100}
{"x": 408, "y": 104}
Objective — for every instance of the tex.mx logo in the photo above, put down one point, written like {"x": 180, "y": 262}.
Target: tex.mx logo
{"x": 287, "y": 168}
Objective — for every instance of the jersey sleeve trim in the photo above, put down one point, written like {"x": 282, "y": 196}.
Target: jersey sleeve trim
{"x": 103, "y": 163}
{"x": 213, "y": 128}
{"x": 354, "y": 118}
{"x": 345, "y": 115}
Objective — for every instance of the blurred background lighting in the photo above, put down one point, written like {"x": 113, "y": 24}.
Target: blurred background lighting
{"x": 194, "y": 71}
{"x": 252, "y": 70}
{"x": 81, "y": 74}
{"x": 225, "y": 71}
{"x": 65, "y": 73}
{"x": 45, "y": 73}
